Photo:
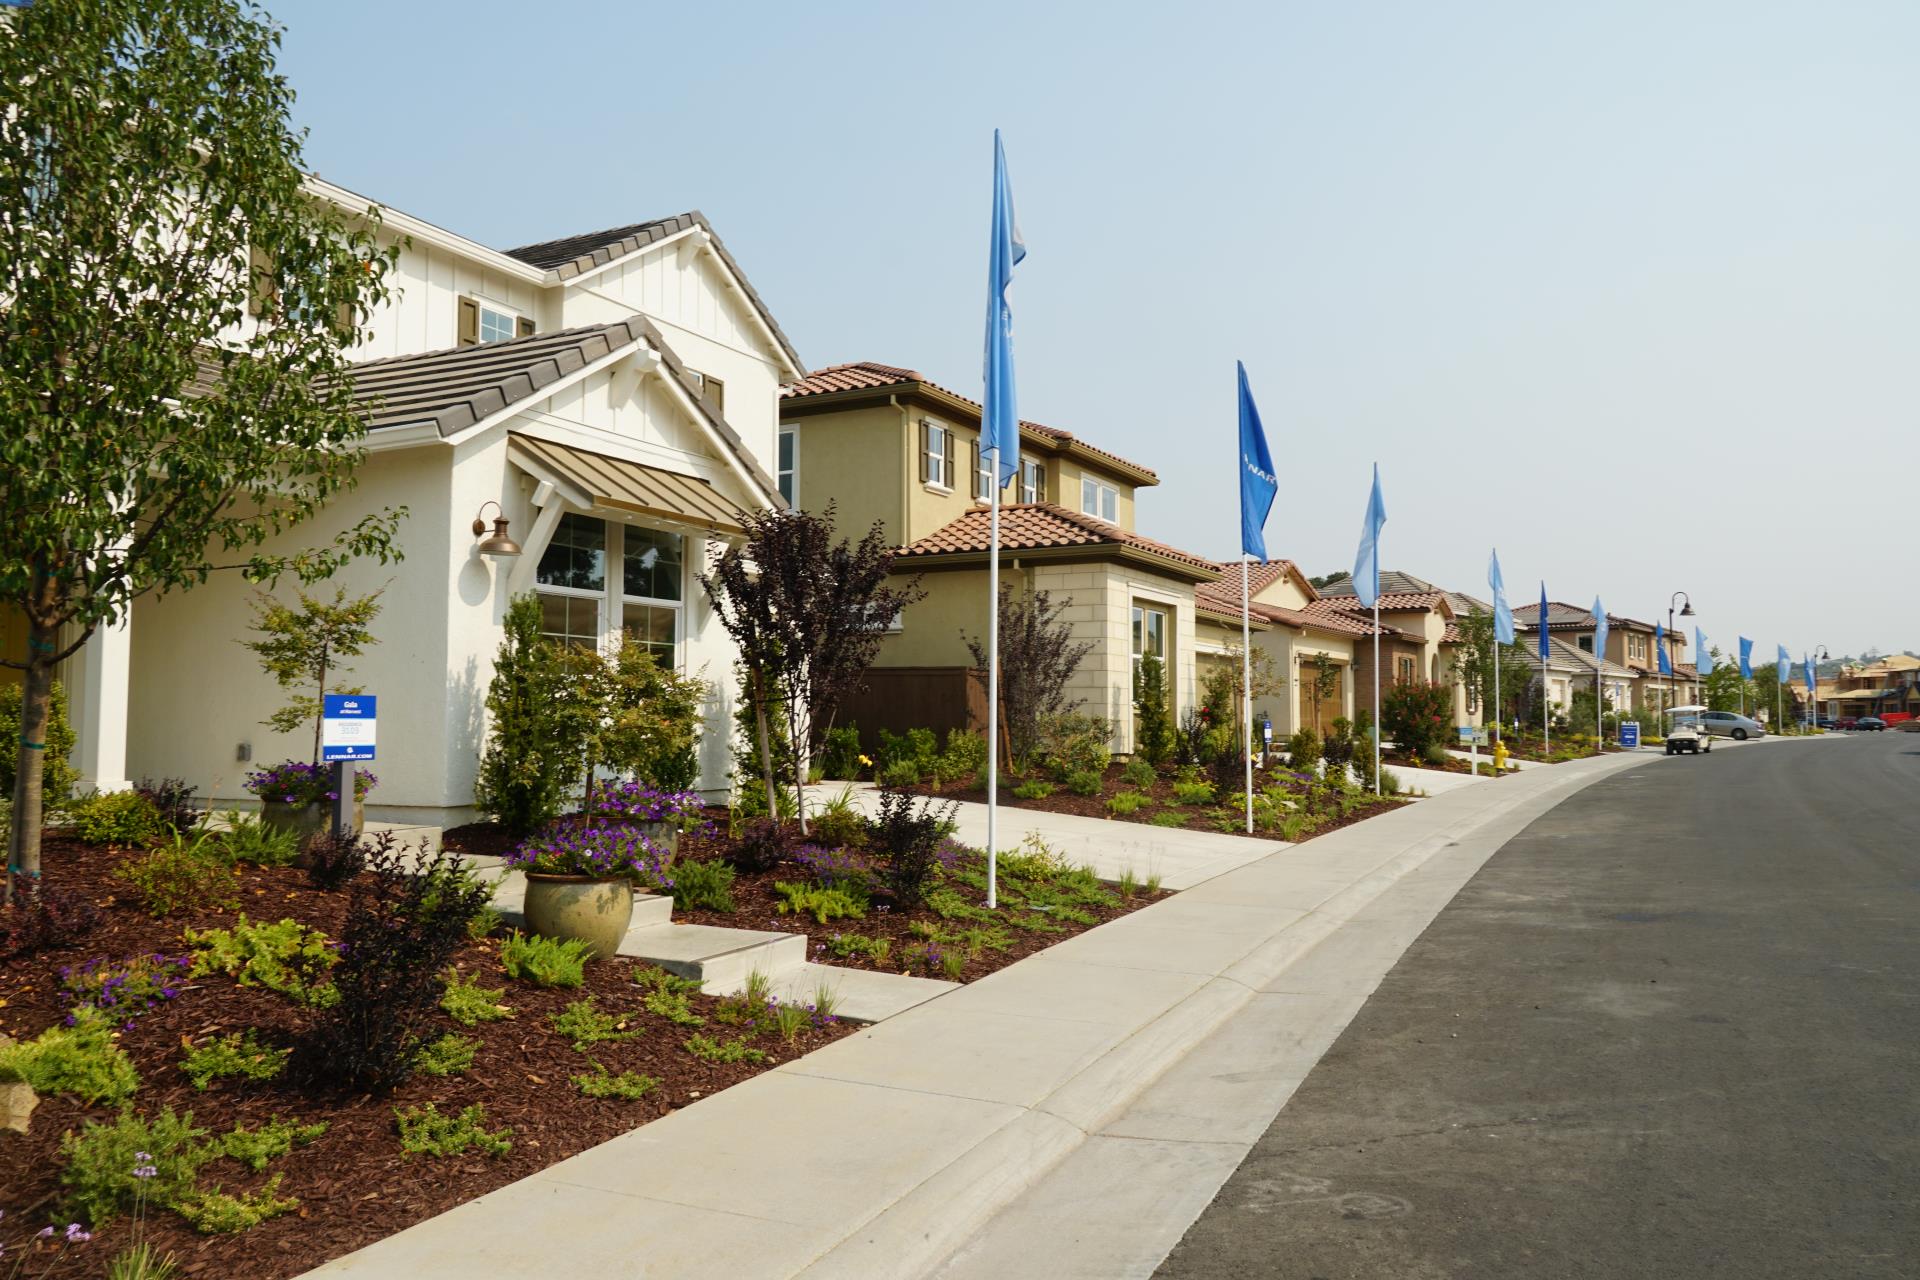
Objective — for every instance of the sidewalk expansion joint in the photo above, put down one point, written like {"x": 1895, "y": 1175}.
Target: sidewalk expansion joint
{"x": 678, "y": 1204}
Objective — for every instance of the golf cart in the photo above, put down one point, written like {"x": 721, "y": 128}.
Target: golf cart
{"x": 1687, "y": 734}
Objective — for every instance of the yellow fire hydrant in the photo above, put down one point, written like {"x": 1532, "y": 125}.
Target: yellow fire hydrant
{"x": 1499, "y": 757}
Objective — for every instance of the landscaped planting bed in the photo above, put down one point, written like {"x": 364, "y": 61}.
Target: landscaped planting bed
{"x": 354, "y": 1182}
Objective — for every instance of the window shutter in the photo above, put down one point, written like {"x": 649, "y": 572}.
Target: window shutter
{"x": 523, "y": 327}
{"x": 926, "y": 452}
{"x": 976, "y": 472}
{"x": 469, "y": 322}
{"x": 948, "y": 478}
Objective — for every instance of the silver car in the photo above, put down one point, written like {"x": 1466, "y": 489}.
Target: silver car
{"x": 1725, "y": 724}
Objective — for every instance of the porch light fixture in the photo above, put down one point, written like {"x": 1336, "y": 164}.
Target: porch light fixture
{"x": 496, "y": 543}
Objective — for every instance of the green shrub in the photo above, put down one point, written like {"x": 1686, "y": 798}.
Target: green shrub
{"x": 285, "y": 956}
{"x": 965, "y": 755}
{"x": 57, "y": 774}
{"x": 584, "y": 1024}
{"x": 901, "y": 773}
{"x": 839, "y": 824}
{"x": 1073, "y": 743}
{"x": 628, "y": 1086}
{"x": 698, "y": 884}
{"x": 840, "y": 753}
{"x": 1193, "y": 792}
{"x": 1168, "y": 818}
{"x": 1434, "y": 753}
{"x": 235, "y": 1054}
{"x": 846, "y": 945}
{"x": 98, "y": 1163}
{"x": 181, "y": 876}
{"x": 1123, "y": 803}
{"x": 81, "y": 1060}
{"x": 1085, "y": 782}
{"x": 546, "y": 962}
{"x": 724, "y": 1051}
{"x": 1151, "y": 713}
{"x": 1303, "y": 748}
{"x": 534, "y": 741}
{"x": 1138, "y": 773}
{"x": 249, "y": 840}
{"x": 425, "y": 1132}
{"x": 1417, "y": 714}
{"x": 216, "y": 1212}
{"x": 470, "y": 1004}
{"x": 447, "y": 1055}
{"x": 1034, "y": 789}
{"x": 843, "y": 901}
{"x": 255, "y": 1147}
{"x": 115, "y": 818}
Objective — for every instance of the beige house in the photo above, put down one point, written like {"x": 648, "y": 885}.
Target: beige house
{"x": 1297, "y": 641}
{"x": 1630, "y": 648}
{"x": 1420, "y": 641}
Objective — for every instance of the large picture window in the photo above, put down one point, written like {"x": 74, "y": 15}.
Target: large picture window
{"x": 1101, "y": 501}
{"x": 582, "y": 604}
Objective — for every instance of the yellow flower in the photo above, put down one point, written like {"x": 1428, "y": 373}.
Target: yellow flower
{"x": 866, "y": 760}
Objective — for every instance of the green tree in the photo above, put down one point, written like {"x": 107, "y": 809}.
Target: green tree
{"x": 652, "y": 718}
{"x": 302, "y": 647}
{"x": 1726, "y": 690}
{"x": 1150, "y": 707}
{"x": 178, "y": 311}
{"x": 1038, "y": 657}
{"x": 1474, "y": 663}
{"x": 1326, "y": 680}
{"x": 533, "y": 738}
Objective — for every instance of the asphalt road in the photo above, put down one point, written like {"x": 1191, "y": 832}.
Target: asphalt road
{"x": 1672, "y": 1029}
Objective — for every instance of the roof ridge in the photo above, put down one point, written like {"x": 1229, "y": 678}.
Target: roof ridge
{"x": 496, "y": 345}
{"x": 612, "y": 233}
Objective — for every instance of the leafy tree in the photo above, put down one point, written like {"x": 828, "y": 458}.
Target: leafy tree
{"x": 1328, "y": 579}
{"x": 1417, "y": 714}
{"x": 1150, "y": 706}
{"x": 178, "y": 313}
{"x": 1473, "y": 666}
{"x": 1326, "y": 681}
{"x": 808, "y": 613}
{"x": 1038, "y": 656}
{"x": 532, "y": 732}
{"x": 1725, "y": 689}
{"x": 302, "y": 647}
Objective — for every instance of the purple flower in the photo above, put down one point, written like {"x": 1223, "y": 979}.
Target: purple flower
{"x": 75, "y": 1235}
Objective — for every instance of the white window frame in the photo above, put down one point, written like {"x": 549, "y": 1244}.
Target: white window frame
{"x": 487, "y": 307}
{"x": 984, "y": 467}
{"x": 938, "y": 472}
{"x": 1099, "y": 500}
{"x": 1033, "y": 481}
{"x": 611, "y": 595}
{"x": 788, "y": 478}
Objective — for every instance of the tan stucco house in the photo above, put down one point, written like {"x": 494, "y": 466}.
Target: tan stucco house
{"x": 1421, "y": 639}
{"x": 1630, "y": 650}
{"x": 1296, "y": 639}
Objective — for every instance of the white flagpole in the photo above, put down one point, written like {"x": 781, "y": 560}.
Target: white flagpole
{"x": 993, "y": 693}
{"x": 1376, "y": 685}
{"x": 1496, "y": 692}
{"x": 1546, "y": 698}
{"x": 1246, "y": 680}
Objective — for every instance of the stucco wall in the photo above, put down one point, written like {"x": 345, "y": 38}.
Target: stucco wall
{"x": 856, "y": 460}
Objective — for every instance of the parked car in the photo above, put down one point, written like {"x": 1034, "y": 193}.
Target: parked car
{"x": 1726, "y": 724}
{"x": 1846, "y": 722}
{"x": 1825, "y": 722}
{"x": 1870, "y": 723}
{"x": 1686, "y": 733}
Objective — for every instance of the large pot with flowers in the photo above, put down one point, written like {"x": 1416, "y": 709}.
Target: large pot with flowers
{"x": 581, "y": 875}
{"x": 298, "y": 797}
{"x": 660, "y": 815}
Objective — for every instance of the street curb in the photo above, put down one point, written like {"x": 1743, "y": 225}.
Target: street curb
{"x": 922, "y": 1227}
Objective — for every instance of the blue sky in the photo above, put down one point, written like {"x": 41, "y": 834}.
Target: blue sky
{"x": 1628, "y": 290}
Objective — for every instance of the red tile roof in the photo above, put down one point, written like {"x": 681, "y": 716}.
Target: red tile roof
{"x": 1260, "y": 576}
{"x": 866, "y": 375}
{"x": 1389, "y": 601}
{"x": 1223, "y": 599}
{"x": 1036, "y": 525}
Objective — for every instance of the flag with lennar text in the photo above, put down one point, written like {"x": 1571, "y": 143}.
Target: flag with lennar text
{"x": 1702, "y": 656}
{"x": 1806, "y": 676}
{"x": 1258, "y": 483}
{"x": 999, "y": 418}
{"x": 1543, "y": 631}
{"x": 1746, "y": 658}
{"x": 1784, "y": 662}
{"x": 1660, "y": 643}
{"x": 1599, "y": 630}
{"x": 1366, "y": 564}
{"x": 1502, "y": 611}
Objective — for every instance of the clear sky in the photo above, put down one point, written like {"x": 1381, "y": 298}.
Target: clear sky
{"x": 1629, "y": 290}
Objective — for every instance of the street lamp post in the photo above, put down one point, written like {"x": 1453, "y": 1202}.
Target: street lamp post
{"x": 1686, "y": 611}
{"x": 1820, "y": 655}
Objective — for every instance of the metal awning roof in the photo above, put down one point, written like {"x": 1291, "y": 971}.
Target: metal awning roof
{"x": 621, "y": 485}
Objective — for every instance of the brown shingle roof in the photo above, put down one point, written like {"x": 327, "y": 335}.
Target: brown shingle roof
{"x": 1038, "y": 525}
{"x": 570, "y": 256}
{"x": 866, "y": 375}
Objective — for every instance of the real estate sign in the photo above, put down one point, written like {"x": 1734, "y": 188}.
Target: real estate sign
{"x": 346, "y": 726}
{"x": 1629, "y": 734}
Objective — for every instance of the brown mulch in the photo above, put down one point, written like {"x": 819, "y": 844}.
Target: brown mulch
{"x": 1402, "y": 760}
{"x": 354, "y": 1183}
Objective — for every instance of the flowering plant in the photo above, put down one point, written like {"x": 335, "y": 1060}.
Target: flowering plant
{"x": 297, "y": 782}
{"x": 125, "y": 990}
{"x": 833, "y": 868}
{"x": 642, "y": 803}
{"x": 602, "y": 851}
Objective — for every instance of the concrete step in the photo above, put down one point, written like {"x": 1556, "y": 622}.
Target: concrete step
{"x": 859, "y": 994}
{"x": 649, "y": 909}
{"x": 720, "y": 958}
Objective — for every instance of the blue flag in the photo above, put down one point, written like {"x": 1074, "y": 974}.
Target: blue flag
{"x": 1258, "y": 483}
{"x": 1543, "y": 629}
{"x": 1366, "y": 564}
{"x": 1784, "y": 663}
{"x": 1599, "y": 630}
{"x": 1702, "y": 655}
{"x": 1502, "y": 611}
{"x": 1806, "y": 675}
{"x": 1746, "y": 658}
{"x": 999, "y": 418}
{"x": 1660, "y": 643}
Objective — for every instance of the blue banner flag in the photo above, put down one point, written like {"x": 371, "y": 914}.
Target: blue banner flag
{"x": 1258, "y": 483}
{"x": 1784, "y": 662}
{"x": 1806, "y": 676}
{"x": 999, "y": 418}
{"x": 1599, "y": 630}
{"x": 1702, "y": 655}
{"x": 1660, "y": 643}
{"x": 1543, "y": 630}
{"x": 1366, "y": 564}
{"x": 1502, "y": 611}
{"x": 1746, "y": 658}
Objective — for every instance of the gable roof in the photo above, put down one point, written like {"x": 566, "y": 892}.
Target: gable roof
{"x": 456, "y": 388}
{"x": 575, "y": 255}
{"x": 1222, "y": 600}
{"x": 1036, "y": 526}
{"x": 1562, "y": 616}
{"x": 867, "y": 375}
{"x": 1389, "y": 601}
{"x": 1392, "y": 582}
{"x": 1262, "y": 576}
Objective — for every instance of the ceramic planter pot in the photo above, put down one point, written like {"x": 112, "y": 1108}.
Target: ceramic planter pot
{"x": 307, "y": 819}
{"x": 595, "y": 911}
{"x": 664, "y": 835}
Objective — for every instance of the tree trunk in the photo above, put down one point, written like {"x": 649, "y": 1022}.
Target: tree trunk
{"x": 320, "y": 712}
{"x": 29, "y": 792}
{"x": 800, "y": 768}
{"x": 758, "y": 693}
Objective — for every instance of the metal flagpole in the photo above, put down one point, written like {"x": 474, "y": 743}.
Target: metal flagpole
{"x": 1546, "y": 698}
{"x": 993, "y": 693}
{"x": 1376, "y": 686}
{"x": 1246, "y": 680}
{"x": 1496, "y": 692}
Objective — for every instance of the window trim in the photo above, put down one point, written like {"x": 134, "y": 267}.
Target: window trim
{"x": 484, "y": 305}
{"x": 1101, "y": 491}
{"x": 612, "y": 595}
{"x": 1036, "y": 472}
{"x": 788, "y": 431}
{"x": 944, "y": 483}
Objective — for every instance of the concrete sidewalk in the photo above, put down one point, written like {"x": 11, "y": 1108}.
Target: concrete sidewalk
{"x": 883, "y": 1153}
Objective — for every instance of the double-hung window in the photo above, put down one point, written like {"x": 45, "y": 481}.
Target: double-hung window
{"x": 582, "y": 604}
{"x": 1033, "y": 481}
{"x": 936, "y": 455}
{"x": 1101, "y": 501}
{"x": 1149, "y": 636}
{"x": 788, "y": 472}
{"x": 983, "y": 468}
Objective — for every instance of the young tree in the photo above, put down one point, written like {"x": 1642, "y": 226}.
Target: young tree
{"x": 302, "y": 647}
{"x": 178, "y": 312}
{"x": 1473, "y": 666}
{"x": 1038, "y": 656}
{"x": 1326, "y": 680}
{"x": 532, "y": 735}
{"x": 1725, "y": 689}
{"x": 808, "y": 613}
{"x": 1150, "y": 705}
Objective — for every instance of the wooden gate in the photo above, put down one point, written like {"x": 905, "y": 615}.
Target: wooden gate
{"x": 901, "y": 698}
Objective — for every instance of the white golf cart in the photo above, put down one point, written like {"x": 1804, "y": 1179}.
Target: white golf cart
{"x": 1687, "y": 733}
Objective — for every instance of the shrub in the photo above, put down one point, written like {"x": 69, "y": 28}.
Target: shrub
{"x": 584, "y": 1024}
{"x": 532, "y": 751}
{"x": 40, "y": 919}
{"x": 1071, "y": 743}
{"x": 181, "y": 875}
{"x": 115, "y": 818}
{"x": 873, "y": 950}
{"x": 425, "y": 1132}
{"x": 403, "y": 927}
{"x": 1193, "y": 792}
{"x": 470, "y": 1004}
{"x": 603, "y": 850}
{"x": 1168, "y": 818}
{"x": 1155, "y": 720}
{"x": 1190, "y": 738}
{"x": 1034, "y": 789}
{"x": 1126, "y": 802}
{"x": 1138, "y": 773}
{"x": 836, "y": 868}
{"x": 628, "y": 1086}
{"x": 254, "y": 1148}
{"x": 823, "y": 904}
{"x": 724, "y": 1051}
{"x": 1085, "y": 782}
{"x": 234, "y": 1054}
{"x": 546, "y": 962}
{"x": 840, "y": 752}
{"x": 707, "y": 885}
{"x": 99, "y": 1163}
{"x": 1434, "y": 753}
{"x": 447, "y": 1055}
{"x": 652, "y": 717}
{"x": 172, "y": 799}
{"x": 58, "y": 775}
{"x": 759, "y": 846}
{"x": 217, "y": 1212}
{"x": 908, "y": 840}
{"x": 333, "y": 859}
{"x": 125, "y": 989}
{"x": 80, "y": 1060}
{"x": 965, "y": 755}
{"x": 249, "y": 840}
{"x": 286, "y": 957}
{"x": 899, "y": 774}
{"x": 1417, "y": 714}
{"x": 839, "y": 823}
{"x": 1337, "y": 750}
{"x": 918, "y": 747}
{"x": 1303, "y": 748}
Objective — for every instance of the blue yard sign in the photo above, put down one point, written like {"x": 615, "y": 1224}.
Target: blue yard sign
{"x": 346, "y": 726}
{"x": 1629, "y": 735}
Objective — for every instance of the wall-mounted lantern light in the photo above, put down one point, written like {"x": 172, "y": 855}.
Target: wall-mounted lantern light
{"x": 496, "y": 543}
